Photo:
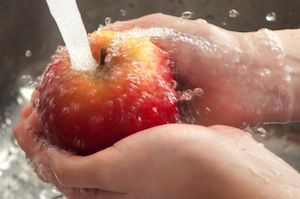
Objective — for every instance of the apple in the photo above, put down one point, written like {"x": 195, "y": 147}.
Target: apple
{"x": 132, "y": 89}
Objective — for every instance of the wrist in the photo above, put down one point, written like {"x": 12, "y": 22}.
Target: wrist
{"x": 291, "y": 43}
{"x": 271, "y": 74}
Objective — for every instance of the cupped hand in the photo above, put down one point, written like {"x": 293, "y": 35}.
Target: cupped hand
{"x": 168, "y": 162}
{"x": 241, "y": 83}
{"x": 242, "y": 74}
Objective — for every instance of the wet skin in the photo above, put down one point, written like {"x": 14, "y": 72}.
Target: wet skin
{"x": 218, "y": 162}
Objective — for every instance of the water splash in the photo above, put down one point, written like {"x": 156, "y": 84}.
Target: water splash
{"x": 233, "y": 13}
{"x": 107, "y": 20}
{"x": 20, "y": 100}
{"x": 189, "y": 94}
{"x": 26, "y": 79}
{"x": 187, "y": 15}
{"x": 197, "y": 42}
{"x": 8, "y": 121}
{"x": 26, "y": 88}
{"x": 257, "y": 130}
{"x": 271, "y": 17}
{"x": 69, "y": 22}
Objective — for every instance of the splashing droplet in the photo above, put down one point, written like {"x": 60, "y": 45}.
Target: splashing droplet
{"x": 187, "y": 15}
{"x": 28, "y": 53}
{"x": 233, "y": 13}
{"x": 258, "y": 130}
{"x": 107, "y": 20}
{"x": 3, "y": 126}
{"x": 189, "y": 94}
{"x": 26, "y": 92}
{"x": 123, "y": 12}
{"x": 20, "y": 100}
{"x": 271, "y": 17}
{"x": 26, "y": 79}
{"x": 8, "y": 121}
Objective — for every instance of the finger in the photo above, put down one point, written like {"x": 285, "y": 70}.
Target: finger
{"x": 76, "y": 193}
{"x": 231, "y": 132}
{"x": 194, "y": 27}
{"x": 225, "y": 129}
{"x": 71, "y": 192}
{"x": 73, "y": 171}
{"x": 187, "y": 58}
{"x": 94, "y": 171}
{"x": 26, "y": 133}
{"x": 190, "y": 44}
{"x": 26, "y": 111}
{"x": 40, "y": 161}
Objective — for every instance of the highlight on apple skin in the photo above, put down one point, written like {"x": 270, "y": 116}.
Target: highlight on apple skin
{"x": 131, "y": 90}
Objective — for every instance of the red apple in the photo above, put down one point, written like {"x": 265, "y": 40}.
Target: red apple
{"x": 131, "y": 90}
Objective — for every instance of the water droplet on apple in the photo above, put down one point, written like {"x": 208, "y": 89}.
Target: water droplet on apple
{"x": 139, "y": 120}
{"x": 174, "y": 84}
{"x": 110, "y": 103}
{"x": 75, "y": 107}
{"x": 79, "y": 143}
{"x": 114, "y": 50}
{"x": 36, "y": 103}
{"x": 198, "y": 92}
{"x": 65, "y": 111}
{"x": 108, "y": 58}
{"x": 207, "y": 110}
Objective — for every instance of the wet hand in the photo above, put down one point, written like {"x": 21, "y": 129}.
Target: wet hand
{"x": 168, "y": 162}
{"x": 243, "y": 76}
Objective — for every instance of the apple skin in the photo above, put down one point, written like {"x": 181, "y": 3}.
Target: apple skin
{"x": 85, "y": 112}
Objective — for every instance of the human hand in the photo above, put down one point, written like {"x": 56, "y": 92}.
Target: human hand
{"x": 168, "y": 162}
{"x": 243, "y": 75}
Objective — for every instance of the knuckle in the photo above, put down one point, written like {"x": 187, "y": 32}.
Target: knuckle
{"x": 158, "y": 15}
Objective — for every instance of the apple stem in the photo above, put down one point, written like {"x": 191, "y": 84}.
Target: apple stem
{"x": 102, "y": 56}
